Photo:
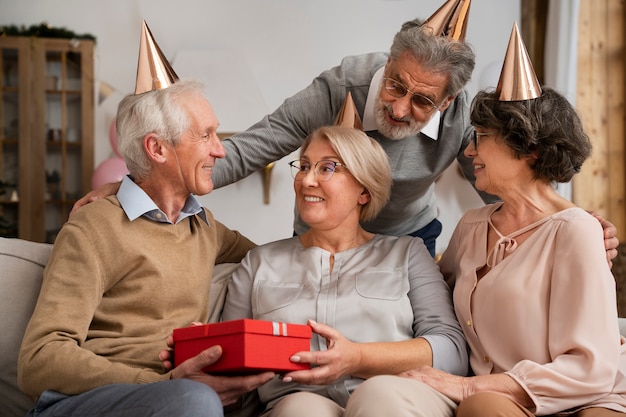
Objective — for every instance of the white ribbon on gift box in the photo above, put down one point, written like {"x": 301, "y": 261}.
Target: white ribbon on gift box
{"x": 277, "y": 327}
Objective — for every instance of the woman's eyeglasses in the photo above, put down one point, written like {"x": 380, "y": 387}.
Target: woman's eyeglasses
{"x": 323, "y": 169}
{"x": 476, "y": 138}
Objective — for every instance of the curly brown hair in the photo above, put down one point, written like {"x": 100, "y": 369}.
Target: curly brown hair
{"x": 547, "y": 127}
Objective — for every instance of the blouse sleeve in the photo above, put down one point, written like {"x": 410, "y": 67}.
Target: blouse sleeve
{"x": 434, "y": 317}
{"x": 582, "y": 317}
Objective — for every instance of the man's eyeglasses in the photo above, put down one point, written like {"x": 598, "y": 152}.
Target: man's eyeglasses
{"x": 323, "y": 169}
{"x": 418, "y": 101}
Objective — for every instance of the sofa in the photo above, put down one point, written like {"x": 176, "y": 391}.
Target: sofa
{"x": 21, "y": 270}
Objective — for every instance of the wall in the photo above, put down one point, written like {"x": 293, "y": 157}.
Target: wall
{"x": 252, "y": 55}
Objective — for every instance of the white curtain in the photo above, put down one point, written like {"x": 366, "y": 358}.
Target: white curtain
{"x": 560, "y": 59}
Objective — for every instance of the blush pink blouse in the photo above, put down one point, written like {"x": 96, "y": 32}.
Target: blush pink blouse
{"x": 545, "y": 314}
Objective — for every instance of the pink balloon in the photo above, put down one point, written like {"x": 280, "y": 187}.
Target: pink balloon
{"x": 113, "y": 138}
{"x": 109, "y": 170}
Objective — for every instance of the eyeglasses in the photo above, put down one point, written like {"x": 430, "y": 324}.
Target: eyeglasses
{"x": 418, "y": 101}
{"x": 323, "y": 169}
{"x": 476, "y": 136}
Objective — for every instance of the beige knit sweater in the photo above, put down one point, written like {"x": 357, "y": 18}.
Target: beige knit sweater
{"x": 112, "y": 292}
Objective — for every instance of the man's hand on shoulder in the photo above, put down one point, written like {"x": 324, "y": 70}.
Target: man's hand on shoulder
{"x": 102, "y": 192}
{"x": 611, "y": 242}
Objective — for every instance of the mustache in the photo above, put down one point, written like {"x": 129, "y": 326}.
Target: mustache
{"x": 389, "y": 109}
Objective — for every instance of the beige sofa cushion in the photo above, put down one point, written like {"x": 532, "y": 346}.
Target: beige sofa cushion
{"x": 219, "y": 285}
{"x": 21, "y": 271}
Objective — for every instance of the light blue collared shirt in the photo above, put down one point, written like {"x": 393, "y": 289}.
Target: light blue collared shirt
{"x": 136, "y": 203}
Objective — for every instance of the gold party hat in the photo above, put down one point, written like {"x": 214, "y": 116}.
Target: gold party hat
{"x": 348, "y": 116}
{"x": 518, "y": 80}
{"x": 450, "y": 20}
{"x": 153, "y": 70}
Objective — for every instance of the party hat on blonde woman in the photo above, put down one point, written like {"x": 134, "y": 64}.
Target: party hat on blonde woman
{"x": 348, "y": 116}
{"x": 518, "y": 80}
{"x": 450, "y": 20}
{"x": 153, "y": 70}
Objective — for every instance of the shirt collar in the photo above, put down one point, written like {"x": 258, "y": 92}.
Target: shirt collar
{"x": 136, "y": 203}
{"x": 369, "y": 120}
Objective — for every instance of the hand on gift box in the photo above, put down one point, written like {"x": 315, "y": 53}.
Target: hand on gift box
{"x": 341, "y": 358}
{"x": 229, "y": 388}
{"x": 166, "y": 355}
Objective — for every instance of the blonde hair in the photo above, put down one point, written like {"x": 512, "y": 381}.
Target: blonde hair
{"x": 364, "y": 158}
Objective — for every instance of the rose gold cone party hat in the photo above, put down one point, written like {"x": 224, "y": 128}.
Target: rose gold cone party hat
{"x": 348, "y": 116}
{"x": 153, "y": 70}
{"x": 518, "y": 80}
{"x": 450, "y": 20}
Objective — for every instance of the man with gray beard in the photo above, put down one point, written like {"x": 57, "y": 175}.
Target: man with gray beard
{"x": 411, "y": 100}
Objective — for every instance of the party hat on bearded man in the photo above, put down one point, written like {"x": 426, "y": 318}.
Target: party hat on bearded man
{"x": 450, "y": 20}
{"x": 518, "y": 80}
{"x": 348, "y": 116}
{"x": 153, "y": 70}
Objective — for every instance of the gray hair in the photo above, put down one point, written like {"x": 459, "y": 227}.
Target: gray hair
{"x": 160, "y": 112}
{"x": 436, "y": 53}
{"x": 364, "y": 158}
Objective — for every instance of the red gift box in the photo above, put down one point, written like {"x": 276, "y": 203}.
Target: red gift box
{"x": 248, "y": 346}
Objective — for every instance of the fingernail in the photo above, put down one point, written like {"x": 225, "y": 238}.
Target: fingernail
{"x": 287, "y": 379}
{"x": 295, "y": 358}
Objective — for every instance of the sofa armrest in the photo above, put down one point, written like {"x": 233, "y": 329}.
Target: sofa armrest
{"x": 22, "y": 264}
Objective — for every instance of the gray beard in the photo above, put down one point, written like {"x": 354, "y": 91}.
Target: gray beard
{"x": 395, "y": 132}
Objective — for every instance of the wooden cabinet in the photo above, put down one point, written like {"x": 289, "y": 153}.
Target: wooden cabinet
{"x": 47, "y": 132}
